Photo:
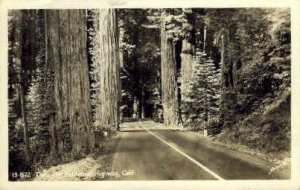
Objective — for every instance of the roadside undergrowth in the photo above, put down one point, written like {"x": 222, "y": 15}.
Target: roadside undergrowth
{"x": 265, "y": 133}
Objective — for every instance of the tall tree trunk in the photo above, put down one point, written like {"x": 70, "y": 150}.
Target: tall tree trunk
{"x": 222, "y": 49}
{"x": 107, "y": 47}
{"x": 204, "y": 38}
{"x": 135, "y": 107}
{"x": 229, "y": 95}
{"x": 25, "y": 123}
{"x": 186, "y": 67}
{"x": 66, "y": 53}
{"x": 168, "y": 78}
{"x": 187, "y": 53}
{"x": 49, "y": 75}
{"x": 142, "y": 103}
{"x": 22, "y": 38}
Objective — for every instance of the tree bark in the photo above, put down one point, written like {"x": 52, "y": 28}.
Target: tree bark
{"x": 229, "y": 94}
{"x": 107, "y": 47}
{"x": 142, "y": 103}
{"x": 204, "y": 39}
{"x": 66, "y": 56}
{"x": 135, "y": 107}
{"x": 168, "y": 78}
{"x": 187, "y": 53}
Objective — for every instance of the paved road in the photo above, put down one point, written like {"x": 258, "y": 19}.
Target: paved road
{"x": 146, "y": 151}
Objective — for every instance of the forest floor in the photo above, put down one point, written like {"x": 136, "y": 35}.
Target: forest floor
{"x": 150, "y": 151}
{"x": 87, "y": 169}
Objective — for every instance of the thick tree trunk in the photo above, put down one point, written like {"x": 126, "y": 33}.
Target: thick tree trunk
{"x": 66, "y": 55}
{"x": 142, "y": 111}
{"x": 107, "y": 47}
{"x": 135, "y": 107}
{"x": 187, "y": 53}
{"x": 168, "y": 78}
{"x": 186, "y": 67}
{"x": 229, "y": 95}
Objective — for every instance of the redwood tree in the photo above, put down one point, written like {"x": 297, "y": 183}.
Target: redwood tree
{"x": 168, "y": 77}
{"x": 71, "y": 127}
{"x": 187, "y": 51}
{"x": 106, "y": 68}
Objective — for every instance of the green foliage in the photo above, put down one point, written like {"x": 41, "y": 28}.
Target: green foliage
{"x": 38, "y": 92}
{"x": 270, "y": 65}
{"x": 257, "y": 50}
{"x": 267, "y": 129}
{"x": 263, "y": 81}
{"x": 179, "y": 23}
{"x": 94, "y": 72}
{"x": 202, "y": 107}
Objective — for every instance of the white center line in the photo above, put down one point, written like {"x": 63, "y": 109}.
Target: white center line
{"x": 187, "y": 156}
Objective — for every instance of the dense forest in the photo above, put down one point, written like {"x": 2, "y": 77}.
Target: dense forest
{"x": 75, "y": 75}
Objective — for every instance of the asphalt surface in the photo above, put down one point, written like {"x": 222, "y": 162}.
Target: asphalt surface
{"x": 144, "y": 152}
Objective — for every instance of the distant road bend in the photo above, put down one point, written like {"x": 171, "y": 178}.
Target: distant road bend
{"x": 150, "y": 151}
